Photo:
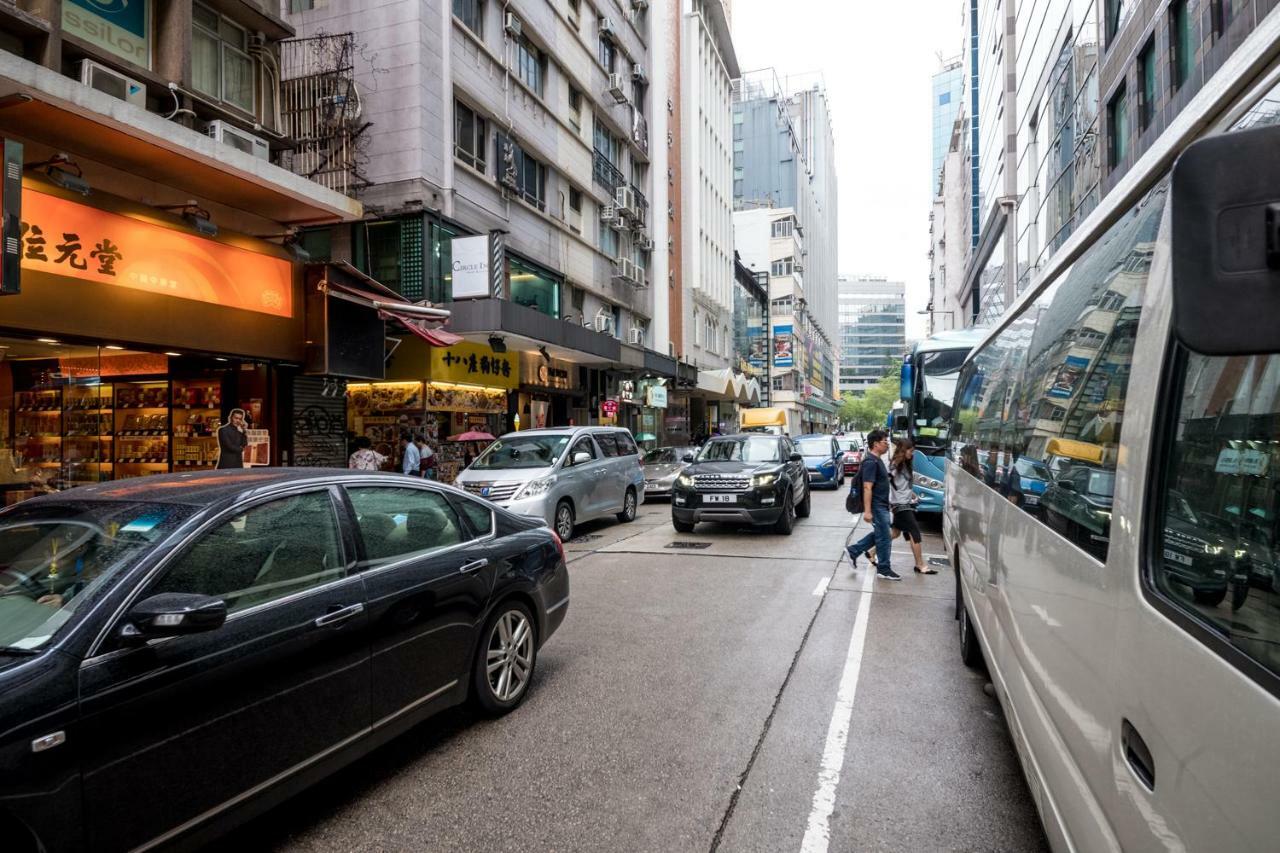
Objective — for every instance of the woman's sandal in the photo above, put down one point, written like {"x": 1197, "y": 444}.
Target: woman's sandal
{"x": 926, "y": 571}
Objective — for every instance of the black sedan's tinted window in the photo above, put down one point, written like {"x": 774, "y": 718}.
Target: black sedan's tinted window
{"x": 399, "y": 523}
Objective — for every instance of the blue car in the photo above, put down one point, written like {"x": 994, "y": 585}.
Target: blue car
{"x": 823, "y": 458}
{"x": 1035, "y": 478}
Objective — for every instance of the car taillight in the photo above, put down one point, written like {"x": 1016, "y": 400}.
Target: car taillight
{"x": 559, "y": 545}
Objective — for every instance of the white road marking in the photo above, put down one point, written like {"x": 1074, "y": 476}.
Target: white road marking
{"x": 818, "y": 834}
{"x": 822, "y": 586}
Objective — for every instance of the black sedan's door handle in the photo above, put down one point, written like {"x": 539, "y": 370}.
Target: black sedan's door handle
{"x": 339, "y": 615}
{"x": 474, "y": 565}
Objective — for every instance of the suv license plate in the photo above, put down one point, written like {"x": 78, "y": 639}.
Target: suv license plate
{"x": 720, "y": 499}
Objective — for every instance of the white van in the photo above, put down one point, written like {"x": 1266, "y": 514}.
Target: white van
{"x": 1132, "y": 627}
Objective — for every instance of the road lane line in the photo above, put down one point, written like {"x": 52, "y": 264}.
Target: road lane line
{"x": 822, "y": 586}
{"x": 818, "y": 834}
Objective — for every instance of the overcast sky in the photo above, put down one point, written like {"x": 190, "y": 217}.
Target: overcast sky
{"x": 877, "y": 60}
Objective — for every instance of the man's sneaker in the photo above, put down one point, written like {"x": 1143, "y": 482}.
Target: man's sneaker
{"x": 888, "y": 575}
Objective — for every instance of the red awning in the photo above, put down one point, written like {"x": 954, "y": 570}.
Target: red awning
{"x": 434, "y": 337}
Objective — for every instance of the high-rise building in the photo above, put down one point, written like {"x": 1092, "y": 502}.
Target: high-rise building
{"x": 948, "y": 96}
{"x": 873, "y": 324}
{"x": 784, "y": 157}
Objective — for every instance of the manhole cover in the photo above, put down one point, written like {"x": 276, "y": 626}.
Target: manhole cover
{"x": 693, "y": 545}
{"x": 588, "y": 537}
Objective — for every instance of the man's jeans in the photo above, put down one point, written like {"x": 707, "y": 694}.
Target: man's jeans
{"x": 880, "y": 537}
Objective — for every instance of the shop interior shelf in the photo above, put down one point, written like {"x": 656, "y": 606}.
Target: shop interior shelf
{"x": 143, "y": 408}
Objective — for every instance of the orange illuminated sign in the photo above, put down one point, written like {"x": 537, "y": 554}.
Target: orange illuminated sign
{"x": 69, "y": 239}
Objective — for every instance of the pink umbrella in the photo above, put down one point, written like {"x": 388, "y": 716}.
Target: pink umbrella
{"x": 473, "y": 435}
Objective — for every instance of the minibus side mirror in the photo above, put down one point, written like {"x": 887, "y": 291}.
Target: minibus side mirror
{"x": 1225, "y": 240}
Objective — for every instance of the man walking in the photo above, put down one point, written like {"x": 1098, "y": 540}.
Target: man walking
{"x": 411, "y": 461}
{"x": 875, "y": 507}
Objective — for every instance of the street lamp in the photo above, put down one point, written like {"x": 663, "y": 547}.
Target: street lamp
{"x": 951, "y": 314}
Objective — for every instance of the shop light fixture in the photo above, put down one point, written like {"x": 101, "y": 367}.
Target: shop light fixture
{"x": 195, "y": 215}
{"x": 63, "y": 171}
{"x": 47, "y": 341}
{"x": 174, "y": 354}
{"x": 113, "y": 346}
{"x": 546, "y": 356}
{"x": 497, "y": 343}
{"x": 218, "y": 358}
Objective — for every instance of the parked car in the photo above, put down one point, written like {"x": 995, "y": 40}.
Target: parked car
{"x": 823, "y": 458}
{"x": 661, "y": 467}
{"x": 851, "y": 456}
{"x": 752, "y": 478}
{"x": 1034, "y": 478}
{"x": 179, "y": 653}
{"x": 564, "y": 476}
{"x": 1078, "y": 504}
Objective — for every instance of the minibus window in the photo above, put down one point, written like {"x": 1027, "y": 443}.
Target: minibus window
{"x": 1221, "y": 496}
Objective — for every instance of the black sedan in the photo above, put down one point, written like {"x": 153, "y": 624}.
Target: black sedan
{"x": 182, "y": 652}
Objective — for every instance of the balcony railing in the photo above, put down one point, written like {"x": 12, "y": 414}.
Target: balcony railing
{"x": 605, "y": 173}
{"x": 639, "y": 130}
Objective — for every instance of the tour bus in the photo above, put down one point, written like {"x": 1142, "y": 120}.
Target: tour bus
{"x": 928, "y": 387}
{"x": 1141, "y": 689}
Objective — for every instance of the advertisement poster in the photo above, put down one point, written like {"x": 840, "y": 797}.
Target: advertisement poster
{"x": 783, "y": 355}
{"x": 1068, "y": 377}
{"x": 538, "y": 411}
{"x": 471, "y": 268}
{"x": 757, "y": 355}
{"x": 118, "y": 26}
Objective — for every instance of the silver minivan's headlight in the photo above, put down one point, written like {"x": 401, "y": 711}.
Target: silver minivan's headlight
{"x": 536, "y": 488}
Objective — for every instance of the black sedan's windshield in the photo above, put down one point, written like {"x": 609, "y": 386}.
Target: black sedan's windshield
{"x": 519, "y": 451}
{"x": 751, "y": 449}
{"x": 52, "y": 555}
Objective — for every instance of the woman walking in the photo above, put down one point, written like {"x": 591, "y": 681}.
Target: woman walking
{"x": 903, "y": 502}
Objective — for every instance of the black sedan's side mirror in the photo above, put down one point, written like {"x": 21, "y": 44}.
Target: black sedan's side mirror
{"x": 795, "y": 457}
{"x": 170, "y": 614}
{"x": 688, "y": 457}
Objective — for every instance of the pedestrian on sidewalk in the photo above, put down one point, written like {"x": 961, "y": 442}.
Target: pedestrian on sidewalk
{"x": 903, "y": 500}
{"x": 875, "y": 507}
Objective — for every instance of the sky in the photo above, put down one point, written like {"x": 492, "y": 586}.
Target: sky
{"x": 876, "y": 60}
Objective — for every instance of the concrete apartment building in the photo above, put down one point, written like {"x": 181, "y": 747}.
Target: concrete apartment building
{"x": 872, "y": 329}
{"x": 784, "y": 157}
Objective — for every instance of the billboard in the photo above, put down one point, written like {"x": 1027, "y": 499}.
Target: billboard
{"x": 783, "y": 347}
{"x": 1068, "y": 377}
{"x": 121, "y": 27}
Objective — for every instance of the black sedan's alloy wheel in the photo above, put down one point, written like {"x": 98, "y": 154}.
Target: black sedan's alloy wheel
{"x": 504, "y": 666}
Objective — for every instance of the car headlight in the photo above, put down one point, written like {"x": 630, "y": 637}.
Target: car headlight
{"x": 685, "y": 480}
{"x": 764, "y": 481}
{"x": 536, "y": 488}
{"x": 927, "y": 482}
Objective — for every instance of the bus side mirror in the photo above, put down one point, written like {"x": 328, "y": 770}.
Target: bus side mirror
{"x": 899, "y": 423}
{"x": 1225, "y": 241}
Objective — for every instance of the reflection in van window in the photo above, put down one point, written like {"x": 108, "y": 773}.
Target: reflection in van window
{"x": 533, "y": 451}
{"x": 1218, "y": 552}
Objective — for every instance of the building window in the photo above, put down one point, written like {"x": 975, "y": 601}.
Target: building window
{"x": 534, "y": 288}
{"x": 779, "y": 268}
{"x": 608, "y": 54}
{"x": 220, "y": 63}
{"x": 575, "y": 12}
{"x": 531, "y": 65}
{"x": 531, "y": 179}
{"x": 1116, "y": 13}
{"x": 1118, "y": 125}
{"x": 575, "y": 209}
{"x": 1182, "y": 53}
{"x": 575, "y": 108}
{"x": 471, "y": 13}
{"x": 608, "y": 240}
{"x": 1220, "y": 14}
{"x": 1147, "y": 74}
{"x": 782, "y": 227}
{"x": 470, "y": 133}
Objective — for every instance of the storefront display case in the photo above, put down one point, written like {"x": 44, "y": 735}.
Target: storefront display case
{"x": 89, "y": 433}
{"x": 197, "y": 414}
{"x": 142, "y": 428}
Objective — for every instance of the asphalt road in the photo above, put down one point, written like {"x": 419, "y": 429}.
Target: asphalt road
{"x": 687, "y": 704}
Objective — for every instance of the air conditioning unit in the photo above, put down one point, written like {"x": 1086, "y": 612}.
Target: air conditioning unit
{"x": 615, "y": 88}
{"x": 606, "y": 28}
{"x": 644, "y": 243}
{"x": 113, "y": 83}
{"x": 608, "y": 214}
{"x": 635, "y": 335}
{"x": 512, "y": 25}
{"x": 798, "y": 267}
{"x": 637, "y": 73}
{"x": 602, "y": 322}
{"x": 629, "y": 271}
{"x": 238, "y": 139}
{"x": 625, "y": 198}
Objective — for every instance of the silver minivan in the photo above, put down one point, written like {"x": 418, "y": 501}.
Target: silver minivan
{"x": 561, "y": 475}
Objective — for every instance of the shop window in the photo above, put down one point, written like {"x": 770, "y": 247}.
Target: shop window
{"x": 273, "y": 550}
{"x": 470, "y": 136}
{"x": 533, "y": 288}
{"x": 220, "y": 63}
{"x": 440, "y": 280}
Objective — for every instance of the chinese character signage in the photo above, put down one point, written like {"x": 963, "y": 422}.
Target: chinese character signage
{"x": 11, "y": 224}
{"x": 122, "y": 27}
{"x": 475, "y": 364}
{"x": 67, "y": 239}
{"x": 783, "y": 355}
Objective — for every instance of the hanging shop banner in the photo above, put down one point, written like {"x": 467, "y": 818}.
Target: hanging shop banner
{"x": 627, "y": 391}
{"x": 783, "y": 354}
{"x": 471, "y": 268}
{"x": 609, "y": 407}
{"x": 120, "y": 27}
{"x": 444, "y": 397}
{"x": 68, "y": 239}
{"x": 655, "y": 396}
{"x": 476, "y": 364}
{"x": 1068, "y": 377}
{"x": 757, "y": 354}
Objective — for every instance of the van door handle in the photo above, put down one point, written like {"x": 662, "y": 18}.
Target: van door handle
{"x": 338, "y": 615}
{"x": 1138, "y": 755}
{"x": 474, "y": 565}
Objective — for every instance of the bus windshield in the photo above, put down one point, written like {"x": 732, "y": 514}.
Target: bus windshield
{"x": 938, "y": 371}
